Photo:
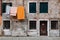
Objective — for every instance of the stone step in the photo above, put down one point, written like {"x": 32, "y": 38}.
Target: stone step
{"x": 30, "y": 38}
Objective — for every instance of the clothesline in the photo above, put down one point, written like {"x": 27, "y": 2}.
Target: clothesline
{"x": 13, "y": 11}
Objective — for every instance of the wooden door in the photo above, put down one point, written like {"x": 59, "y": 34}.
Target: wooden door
{"x": 43, "y": 28}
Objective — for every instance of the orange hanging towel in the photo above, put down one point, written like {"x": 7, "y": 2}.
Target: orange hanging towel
{"x": 20, "y": 13}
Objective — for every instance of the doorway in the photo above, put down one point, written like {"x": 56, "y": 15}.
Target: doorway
{"x": 43, "y": 28}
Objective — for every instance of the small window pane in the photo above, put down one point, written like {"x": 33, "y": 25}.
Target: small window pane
{"x": 43, "y": 7}
{"x": 4, "y": 7}
{"x": 32, "y": 7}
{"x": 6, "y": 24}
{"x": 54, "y": 24}
{"x": 32, "y": 24}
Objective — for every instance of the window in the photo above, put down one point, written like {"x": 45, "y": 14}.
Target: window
{"x": 6, "y": 24}
{"x": 54, "y": 24}
{"x": 4, "y": 7}
{"x": 32, "y": 7}
{"x": 43, "y": 7}
{"x": 32, "y": 24}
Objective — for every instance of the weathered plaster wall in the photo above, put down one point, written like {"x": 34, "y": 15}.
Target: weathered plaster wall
{"x": 53, "y": 12}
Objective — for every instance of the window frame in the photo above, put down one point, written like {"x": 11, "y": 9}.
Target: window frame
{"x": 32, "y": 2}
{"x": 39, "y": 7}
{"x": 57, "y": 25}
{"x": 3, "y": 24}
{"x": 5, "y": 8}
{"x": 29, "y": 24}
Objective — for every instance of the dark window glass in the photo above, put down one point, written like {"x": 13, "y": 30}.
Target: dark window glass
{"x": 6, "y": 24}
{"x": 54, "y": 24}
{"x": 43, "y": 7}
{"x": 32, "y": 7}
{"x": 32, "y": 24}
{"x": 4, "y": 6}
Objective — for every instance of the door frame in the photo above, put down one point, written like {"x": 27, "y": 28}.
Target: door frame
{"x": 47, "y": 25}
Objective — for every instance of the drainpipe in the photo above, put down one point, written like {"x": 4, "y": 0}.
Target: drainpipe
{"x": 23, "y": 2}
{"x": 59, "y": 17}
{"x": 1, "y": 7}
{"x": 1, "y": 17}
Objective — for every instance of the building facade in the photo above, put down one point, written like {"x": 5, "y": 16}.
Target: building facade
{"x": 40, "y": 18}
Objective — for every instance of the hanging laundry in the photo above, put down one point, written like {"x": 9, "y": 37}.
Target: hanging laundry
{"x": 20, "y": 13}
{"x": 7, "y": 9}
{"x": 13, "y": 11}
